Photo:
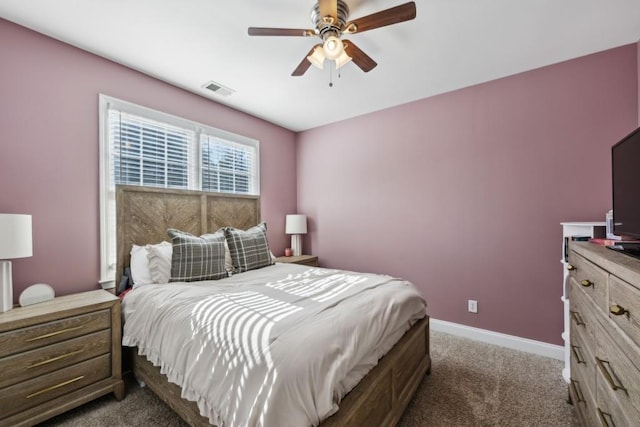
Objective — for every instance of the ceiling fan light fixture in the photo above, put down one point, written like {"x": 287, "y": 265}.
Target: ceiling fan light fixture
{"x": 342, "y": 59}
{"x": 332, "y": 47}
{"x": 317, "y": 57}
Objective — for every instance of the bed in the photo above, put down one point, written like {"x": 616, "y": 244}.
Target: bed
{"x": 380, "y": 396}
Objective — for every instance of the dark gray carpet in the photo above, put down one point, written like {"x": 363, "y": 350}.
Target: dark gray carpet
{"x": 471, "y": 384}
{"x": 478, "y": 384}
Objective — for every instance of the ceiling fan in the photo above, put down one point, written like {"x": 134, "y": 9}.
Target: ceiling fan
{"x": 330, "y": 18}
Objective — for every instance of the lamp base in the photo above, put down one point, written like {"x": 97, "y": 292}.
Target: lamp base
{"x": 296, "y": 244}
{"x": 6, "y": 287}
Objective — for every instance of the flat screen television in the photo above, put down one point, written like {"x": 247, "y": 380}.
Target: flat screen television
{"x": 625, "y": 166}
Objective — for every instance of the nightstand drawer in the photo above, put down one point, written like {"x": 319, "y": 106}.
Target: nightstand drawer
{"x": 31, "y": 393}
{"x": 19, "y": 340}
{"x": 24, "y": 366}
{"x": 308, "y": 260}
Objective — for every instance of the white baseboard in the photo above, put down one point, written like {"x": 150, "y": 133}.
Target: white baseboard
{"x": 497, "y": 338}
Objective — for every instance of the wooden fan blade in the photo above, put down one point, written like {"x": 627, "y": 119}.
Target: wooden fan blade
{"x": 258, "y": 31}
{"x": 304, "y": 65}
{"x": 394, "y": 15}
{"x": 328, "y": 8}
{"x": 358, "y": 57}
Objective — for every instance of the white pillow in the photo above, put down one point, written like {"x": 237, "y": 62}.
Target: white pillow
{"x": 140, "y": 266}
{"x": 159, "y": 259}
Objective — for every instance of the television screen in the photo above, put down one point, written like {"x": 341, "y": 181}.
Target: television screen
{"x": 625, "y": 165}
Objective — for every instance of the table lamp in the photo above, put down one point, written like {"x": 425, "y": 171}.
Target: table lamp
{"x": 15, "y": 242}
{"x": 296, "y": 225}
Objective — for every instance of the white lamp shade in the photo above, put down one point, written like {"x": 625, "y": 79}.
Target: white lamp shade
{"x": 15, "y": 236}
{"x": 296, "y": 224}
{"x": 342, "y": 59}
{"x": 317, "y": 57}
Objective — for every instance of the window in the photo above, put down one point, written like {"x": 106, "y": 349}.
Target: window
{"x": 149, "y": 153}
{"x": 140, "y": 146}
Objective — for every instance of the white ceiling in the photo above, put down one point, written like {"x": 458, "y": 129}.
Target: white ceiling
{"x": 450, "y": 45}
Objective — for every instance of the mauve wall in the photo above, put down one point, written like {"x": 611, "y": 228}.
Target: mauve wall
{"x": 463, "y": 193}
{"x": 49, "y": 151}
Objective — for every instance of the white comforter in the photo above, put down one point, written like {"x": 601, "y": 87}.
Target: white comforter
{"x": 278, "y": 346}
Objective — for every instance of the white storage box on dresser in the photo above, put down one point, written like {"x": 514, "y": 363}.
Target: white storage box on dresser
{"x": 604, "y": 294}
{"x": 57, "y": 355}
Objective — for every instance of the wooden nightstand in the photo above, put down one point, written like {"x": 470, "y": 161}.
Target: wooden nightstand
{"x": 310, "y": 260}
{"x": 59, "y": 354}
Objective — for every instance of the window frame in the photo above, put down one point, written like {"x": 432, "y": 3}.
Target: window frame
{"x": 106, "y": 167}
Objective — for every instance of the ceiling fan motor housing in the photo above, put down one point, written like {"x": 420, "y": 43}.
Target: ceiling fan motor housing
{"x": 327, "y": 24}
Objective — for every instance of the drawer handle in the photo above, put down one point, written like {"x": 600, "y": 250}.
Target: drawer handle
{"x": 53, "y": 387}
{"x": 54, "y": 359}
{"x": 577, "y": 352}
{"x": 618, "y": 310}
{"x": 570, "y": 267}
{"x": 53, "y": 334}
{"x": 605, "y": 418}
{"x": 609, "y": 376}
{"x": 575, "y": 385}
{"x": 586, "y": 283}
{"x": 577, "y": 318}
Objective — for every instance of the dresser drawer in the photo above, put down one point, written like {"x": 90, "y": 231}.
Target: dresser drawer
{"x": 30, "y": 364}
{"x": 582, "y": 312}
{"x": 591, "y": 278}
{"x": 583, "y": 361}
{"x": 625, "y": 296}
{"x": 33, "y": 392}
{"x": 609, "y": 412}
{"x": 583, "y": 399}
{"x": 616, "y": 373}
{"x": 19, "y": 340}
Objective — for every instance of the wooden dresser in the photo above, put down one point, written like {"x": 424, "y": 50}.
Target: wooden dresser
{"x": 57, "y": 355}
{"x": 604, "y": 295}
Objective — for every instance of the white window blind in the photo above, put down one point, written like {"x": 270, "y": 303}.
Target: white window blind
{"x": 228, "y": 167}
{"x": 150, "y": 153}
{"x": 140, "y": 146}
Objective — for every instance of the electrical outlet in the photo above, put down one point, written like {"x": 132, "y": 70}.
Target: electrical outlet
{"x": 473, "y": 306}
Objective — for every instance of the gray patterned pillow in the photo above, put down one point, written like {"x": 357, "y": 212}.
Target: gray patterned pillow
{"x": 197, "y": 258}
{"x": 249, "y": 248}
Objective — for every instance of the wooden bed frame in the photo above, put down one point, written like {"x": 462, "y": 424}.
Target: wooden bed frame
{"x": 144, "y": 215}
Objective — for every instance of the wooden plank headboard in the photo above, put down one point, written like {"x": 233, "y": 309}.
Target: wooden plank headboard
{"x": 144, "y": 214}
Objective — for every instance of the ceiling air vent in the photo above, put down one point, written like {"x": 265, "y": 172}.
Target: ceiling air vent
{"x": 219, "y": 89}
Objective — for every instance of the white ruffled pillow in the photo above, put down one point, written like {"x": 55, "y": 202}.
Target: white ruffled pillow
{"x": 140, "y": 272}
{"x": 159, "y": 258}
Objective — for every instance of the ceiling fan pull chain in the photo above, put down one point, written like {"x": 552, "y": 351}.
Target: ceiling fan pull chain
{"x": 330, "y": 76}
